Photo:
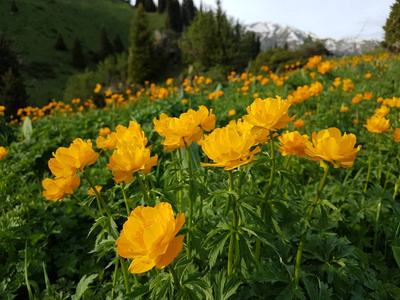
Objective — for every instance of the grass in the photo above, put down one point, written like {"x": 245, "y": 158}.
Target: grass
{"x": 35, "y": 27}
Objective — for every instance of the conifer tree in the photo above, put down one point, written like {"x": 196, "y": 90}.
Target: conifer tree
{"x": 14, "y": 7}
{"x": 392, "y": 28}
{"x": 188, "y": 12}
{"x": 149, "y": 6}
{"x": 138, "y": 2}
{"x": 141, "y": 52}
{"x": 78, "y": 59}
{"x": 162, "y": 5}
{"x": 106, "y": 48}
{"x": 60, "y": 44}
{"x": 174, "y": 16}
{"x": 12, "y": 92}
{"x": 118, "y": 44}
{"x": 7, "y": 58}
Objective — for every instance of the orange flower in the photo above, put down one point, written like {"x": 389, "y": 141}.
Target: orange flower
{"x": 356, "y": 99}
{"x": 211, "y": 96}
{"x": 382, "y": 111}
{"x": 368, "y": 75}
{"x": 270, "y": 113}
{"x": 97, "y": 88}
{"x": 104, "y": 131}
{"x": 57, "y": 189}
{"x": 329, "y": 145}
{"x": 396, "y": 135}
{"x": 107, "y": 143}
{"x": 298, "y": 123}
{"x": 293, "y": 143}
{"x": 3, "y": 152}
{"x": 220, "y": 93}
{"x": 232, "y": 113}
{"x": 91, "y": 192}
{"x": 377, "y": 124}
{"x": 344, "y": 109}
{"x": 229, "y": 148}
{"x": 148, "y": 236}
{"x": 261, "y": 136}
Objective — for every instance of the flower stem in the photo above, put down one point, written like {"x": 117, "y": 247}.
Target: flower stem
{"x": 125, "y": 275}
{"x": 172, "y": 271}
{"x": 235, "y": 220}
{"x": 179, "y": 174}
{"x": 190, "y": 219}
{"x": 114, "y": 279}
{"x": 99, "y": 198}
{"x": 87, "y": 209}
{"x": 122, "y": 186}
{"x": 368, "y": 174}
{"x": 378, "y": 211}
{"x": 309, "y": 217}
{"x": 143, "y": 188}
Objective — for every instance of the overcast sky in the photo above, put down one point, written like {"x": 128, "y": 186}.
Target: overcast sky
{"x": 325, "y": 18}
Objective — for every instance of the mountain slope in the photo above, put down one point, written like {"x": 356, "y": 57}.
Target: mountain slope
{"x": 274, "y": 35}
{"x": 33, "y": 31}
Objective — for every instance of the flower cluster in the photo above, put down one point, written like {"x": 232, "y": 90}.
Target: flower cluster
{"x": 64, "y": 165}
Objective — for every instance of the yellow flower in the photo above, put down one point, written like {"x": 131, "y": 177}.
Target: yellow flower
{"x": 396, "y": 135}
{"x": 368, "y": 95}
{"x": 344, "y": 109}
{"x": 184, "y": 101}
{"x": 261, "y": 136}
{"x": 368, "y": 75}
{"x": 107, "y": 143}
{"x": 356, "y": 99}
{"x": 231, "y": 112}
{"x": 377, "y": 124}
{"x": 293, "y": 143}
{"x": 97, "y": 88}
{"x": 355, "y": 121}
{"x": 316, "y": 88}
{"x": 211, "y": 96}
{"x": 298, "y": 123}
{"x": 220, "y": 93}
{"x": 57, "y": 189}
{"x": 91, "y": 192}
{"x": 169, "y": 81}
{"x": 104, "y": 131}
{"x": 329, "y": 145}
{"x": 382, "y": 111}
{"x": 270, "y": 113}
{"x": 185, "y": 129}
{"x": 3, "y": 152}
{"x": 229, "y": 148}
{"x": 148, "y": 236}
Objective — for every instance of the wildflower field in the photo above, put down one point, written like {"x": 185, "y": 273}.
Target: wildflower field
{"x": 275, "y": 185}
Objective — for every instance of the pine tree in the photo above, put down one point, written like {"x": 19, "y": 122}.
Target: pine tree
{"x": 149, "y": 6}
{"x": 14, "y": 7}
{"x": 78, "y": 59}
{"x": 7, "y": 58}
{"x": 174, "y": 16}
{"x": 162, "y": 5}
{"x": 118, "y": 44}
{"x": 138, "y": 2}
{"x": 141, "y": 63}
{"x": 106, "y": 48}
{"x": 392, "y": 28}
{"x": 188, "y": 12}
{"x": 12, "y": 92}
{"x": 60, "y": 44}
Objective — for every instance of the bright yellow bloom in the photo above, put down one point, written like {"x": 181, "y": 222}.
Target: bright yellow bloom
{"x": 264, "y": 81}
{"x": 169, "y": 81}
{"x": 220, "y": 93}
{"x": 344, "y": 109}
{"x": 91, "y": 192}
{"x": 377, "y": 124}
{"x": 97, "y": 88}
{"x": 231, "y": 112}
{"x": 298, "y": 123}
{"x": 185, "y": 129}
{"x": 329, "y": 145}
{"x": 382, "y": 111}
{"x": 211, "y": 96}
{"x": 396, "y": 135}
{"x": 130, "y": 135}
{"x": 184, "y": 101}
{"x": 368, "y": 95}
{"x": 260, "y": 135}
{"x": 3, "y": 152}
{"x": 148, "y": 236}
{"x": 300, "y": 94}
{"x": 107, "y": 143}
{"x": 356, "y": 99}
{"x": 355, "y": 121}
{"x": 368, "y": 75}
{"x": 316, "y": 88}
{"x": 270, "y": 113}
{"x": 293, "y": 143}
{"x": 104, "y": 131}
{"x": 348, "y": 85}
{"x": 67, "y": 160}
{"x": 229, "y": 148}
{"x": 325, "y": 66}
{"x": 313, "y": 61}
{"x": 57, "y": 189}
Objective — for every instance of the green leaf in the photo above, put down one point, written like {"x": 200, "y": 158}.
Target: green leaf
{"x": 83, "y": 285}
{"x": 396, "y": 254}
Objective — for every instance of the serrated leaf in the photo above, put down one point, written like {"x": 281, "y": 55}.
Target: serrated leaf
{"x": 83, "y": 285}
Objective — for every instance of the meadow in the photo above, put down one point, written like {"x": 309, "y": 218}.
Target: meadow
{"x": 275, "y": 185}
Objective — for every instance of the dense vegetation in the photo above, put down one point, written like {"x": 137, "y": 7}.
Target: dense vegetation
{"x": 56, "y": 250}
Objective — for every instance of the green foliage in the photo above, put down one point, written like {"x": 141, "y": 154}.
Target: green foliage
{"x": 12, "y": 92}
{"x": 188, "y": 12}
{"x": 142, "y": 61}
{"x": 392, "y": 28}
{"x": 60, "y": 44}
{"x": 106, "y": 48}
{"x": 118, "y": 44}
{"x": 162, "y": 5}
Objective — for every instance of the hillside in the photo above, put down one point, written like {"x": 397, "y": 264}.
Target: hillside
{"x": 33, "y": 31}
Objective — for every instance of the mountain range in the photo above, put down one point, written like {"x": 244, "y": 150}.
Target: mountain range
{"x": 274, "y": 35}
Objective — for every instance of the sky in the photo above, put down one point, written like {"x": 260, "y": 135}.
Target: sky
{"x": 325, "y": 18}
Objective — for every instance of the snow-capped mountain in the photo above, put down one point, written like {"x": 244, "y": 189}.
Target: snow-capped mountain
{"x": 274, "y": 35}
